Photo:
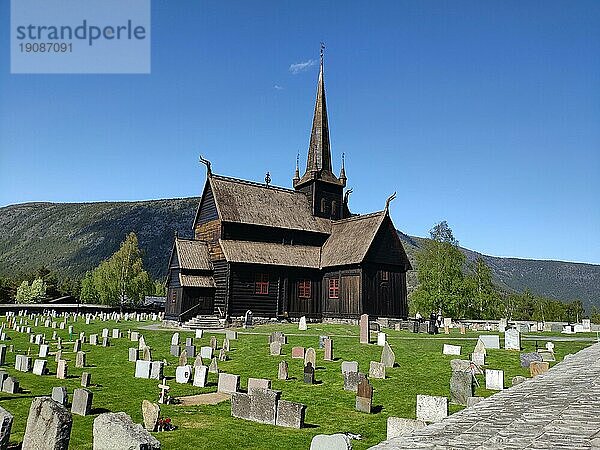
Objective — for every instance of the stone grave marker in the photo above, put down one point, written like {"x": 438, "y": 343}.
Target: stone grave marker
{"x": 164, "y": 391}
{"x": 461, "y": 387}
{"x": 512, "y": 339}
{"x": 199, "y": 334}
{"x": 528, "y": 358}
{"x": 550, "y": 346}
{"x": 258, "y": 383}
{"x": 39, "y": 367}
{"x": 198, "y": 361}
{"x": 61, "y": 369}
{"x": 248, "y": 319}
{"x": 222, "y": 355}
{"x": 388, "y": 357}
{"x": 175, "y": 339}
{"x": 116, "y": 333}
{"x": 322, "y": 341}
{"x": 134, "y": 336}
{"x": 183, "y": 358}
{"x": 240, "y": 405}
{"x": 231, "y": 335}
{"x": 117, "y": 431}
{"x": 82, "y": 402}
{"x": 478, "y": 359}
{"x": 141, "y": 343}
{"x": 364, "y": 396}
{"x": 328, "y": 345}
{"x": 518, "y": 380}
{"x": 336, "y": 441}
{"x": 105, "y": 342}
{"x": 43, "y": 351}
{"x": 479, "y": 347}
{"x": 364, "y": 329}
{"x": 150, "y": 413}
{"x": 309, "y": 373}
{"x": 349, "y": 366}
{"x": 213, "y": 367}
{"x": 206, "y": 352}
{"x": 490, "y": 341}
{"x": 282, "y": 373}
{"x": 302, "y": 324}
{"x": 297, "y": 352}
{"x": 200, "y": 376}
{"x": 290, "y": 414}
{"x": 142, "y": 369}
{"x": 226, "y": 344}
{"x": 431, "y": 408}
{"x": 80, "y": 360}
{"x": 377, "y": 370}
{"x": 278, "y": 336}
{"x": 451, "y": 349}
{"x": 59, "y": 394}
{"x": 48, "y": 426}
{"x": 351, "y": 380}
{"x": 263, "y": 405}
{"x": 275, "y": 348}
{"x": 228, "y": 383}
{"x": 133, "y": 354}
{"x": 381, "y": 339}
{"x": 93, "y": 339}
{"x": 156, "y": 370}
{"x": 310, "y": 356}
{"x": 10, "y": 385}
{"x": 538, "y": 367}
{"x": 183, "y": 374}
{"x": 213, "y": 342}
{"x": 494, "y": 379}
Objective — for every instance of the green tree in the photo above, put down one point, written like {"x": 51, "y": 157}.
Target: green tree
{"x": 440, "y": 274}
{"x": 31, "y": 293}
{"x": 8, "y": 290}
{"x": 480, "y": 289}
{"x": 118, "y": 279}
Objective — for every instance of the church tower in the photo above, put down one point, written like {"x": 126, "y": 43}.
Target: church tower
{"x": 319, "y": 182}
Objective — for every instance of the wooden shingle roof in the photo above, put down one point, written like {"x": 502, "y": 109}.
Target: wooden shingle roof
{"x": 192, "y": 254}
{"x": 253, "y": 203}
{"x": 350, "y": 239}
{"x": 202, "y": 281}
{"x": 270, "y": 253}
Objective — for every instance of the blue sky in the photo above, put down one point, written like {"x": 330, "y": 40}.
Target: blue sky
{"x": 484, "y": 114}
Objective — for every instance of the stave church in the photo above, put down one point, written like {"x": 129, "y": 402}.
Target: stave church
{"x": 287, "y": 252}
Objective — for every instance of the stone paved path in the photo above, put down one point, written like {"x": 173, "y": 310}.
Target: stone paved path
{"x": 557, "y": 410}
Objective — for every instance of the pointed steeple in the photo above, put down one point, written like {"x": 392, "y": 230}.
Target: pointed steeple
{"x": 342, "y": 176}
{"x": 297, "y": 173}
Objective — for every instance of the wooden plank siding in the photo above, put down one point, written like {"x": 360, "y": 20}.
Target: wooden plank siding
{"x": 258, "y": 233}
{"x": 294, "y": 305}
{"x": 384, "y": 297}
{"x": 220, "y": 275}
{"x": 243, "y": 296}
{"x": 349, "y": 301}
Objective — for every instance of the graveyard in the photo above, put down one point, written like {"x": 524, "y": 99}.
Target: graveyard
{"x": 420, "y": 368}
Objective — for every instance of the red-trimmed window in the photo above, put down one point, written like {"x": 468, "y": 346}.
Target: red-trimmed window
{"x": 385, "y": 275}
{"x": 304, "y": 289}
{"x": 334, "y": 288}
{"x": 261, "y": 283}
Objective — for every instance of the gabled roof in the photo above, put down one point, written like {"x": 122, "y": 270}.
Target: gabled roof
{"x": 351, "y": 239}
{"x": 257, "y": 204}
{"x": 192, "y": 254}
{"x": 270, "y": 253}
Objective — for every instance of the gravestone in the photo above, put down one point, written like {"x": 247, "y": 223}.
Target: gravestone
{"x": 298, "y": 352}
{"x": 282, "y": 373}
{"x": 39, "y": 367}
{"x": 336, "y": 441}
{"x": 546, "y": 355}
{"x": 141, "y": 343}
{"x": 226, "y": 344}
{"x": 175, "y": 350}
{"x": 214, "y": 343}
{"x": 381, "y": 339}
{"x": 290, "y": 414}
{"x": 322, "y": 341}
{"x": 377, "y": 370}
{"x": 183, "y": 374}
{"x": 142, "y": 369}
{"x": 80, "y": 360}
{"x": 134, "y": 336}
{"x": 263, "y": 405}
{"x": 364, "y": 396}
{"x": 248, "y": 319}
{"x": 77, "y": 346}
{"x": 258, "y": 383}
{"x": 82, "y": 402}
{"x": 240, "y": 405}
{"x": 116, "y": 333}
{"x": 199, "y": 334}
{"x": 478, "y": 359}
{"x": 48, "y": 426}
{"x": 399, "y": 426}
{"x": 231, "y": 335}
{"x": 538, "y": 367}
{"x": 364, "y": 329}
{"x": 200, "y": 376}
{"x": 512, "y": 339}
{"x": 198, "y": 361}
{"x": 10, "y": 385}
{"x": 206, "y": 352}
{"x": 191, "y": 351}
{"x": 213, "y": 367}
{"x": 528, "y": 358}
{"x": 114, "y": 431}
{"x": 228, "y": 383}
{"x": 451, "y": 349}
{"x": 431, "y": 408}
{"x": 133, "y": 354}
{"x": 59, "y": 394}
{"x": 494, "y": 379}
{"x": 310, "y": 357}
{"x": 309, "y": 373}
{"x": 43, "y": 351}
{"x": 388, "y": 357}
{"x": 189, "y": 341}
{"x": 93, "y": 339}
{"x": 328, "y": 345}
{"x": 352, "y": 379}
{"x": 490, "y": 341}
{"x": 2, "y": 354}
{"x": 479, "y": 347}
{"x": 461, "y": 387}
{"x": 183, "y": 358}
{"x": 302, "y": 324}
{"x": 278, "y": 336}
{"x": 105, "y": 342}
{"x": 150, "y": 413}
{"x": 62, "y": 369}
{"x": 349, "y": 366}
{"x": 175, "y": 339}
{"x": 156, "y": 370}
{"x": 222, "y": 355}
{"x": 275, "y": 348}
{"x": 550, "y": 346}
{"x": 86, "y": 379}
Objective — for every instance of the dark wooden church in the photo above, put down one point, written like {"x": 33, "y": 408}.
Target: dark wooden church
{"x": 288, "y": 252}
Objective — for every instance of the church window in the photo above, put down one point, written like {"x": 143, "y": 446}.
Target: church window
{"x": 322, "y": 205}
{"x": 334, "y": 208}
{"x": 334, "y": 288}
{"x": 261, "y": 283}
{"x": 385, "y": 275}
{"x": 304, "y": 289}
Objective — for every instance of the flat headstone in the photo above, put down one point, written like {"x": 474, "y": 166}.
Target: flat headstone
{"x": 183, "y": 374}
{"x": 62, "y": 369}
{"x": 80, "y": 360}
{"x": 282, "y": 373}
{"x": 302, "y": 324}
{"x": 240, "y": 405}
{"x": 451, "y": 349}
{"x": 546, "y": 355}
{"x": 258, "y": 383}
{"x": 431, "y": 408}
{"x": 512, "y": 339}
{"x": 175, "y": 339}
{"x": 150, "y": 413}
{"x": 298, "y": 352}
{"x": 364, "y": 329}
{"x": 381, "y": 339}
{"x": 364, "y": 396}
{"x": 330, "y": 442}
{"x": 351, "y": 380}
{"x": 290, "y": 414}
{"x": 349, "y": 366}
{"x": 48, "y": 426}
{"x": 116, "y": 431}
{"x": 528, "y": 358}
{"x": 478, "y": 358}
{"x": 328, "y": 346}
{"x": 490, "y": 341}
{"x": 309, "y": 373}
{"x": 213, "y": 367}
{"x": 39, "y": 367}
{"x": 206, "y": 352}
{"x": 310, "y": 357}
{"x": 494, "y": 379}
{"x": 376, "y": 370}
{"x": 200, "y": 376}
{"x": 59, "y": 394}
{"x": 133, "y": 354}
{"x": 388, "y": 357}
{"x": 175, "y": 350}
{"x": 538, "y": 367}
{"x": 86, "y": 379}
{"x": 399, "y": 426}
{"x": 461, "y": 387}
{"x": 263, "y": 405}
{"x": 142, "y": 369}
{"x": 228, "y": 383}
{"x": 156, "y": 370}
{"x": 82, "y": 402}
{"x": 275, "y": 348}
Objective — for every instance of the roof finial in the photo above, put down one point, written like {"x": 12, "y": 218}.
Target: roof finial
{"x": 296, "y": 178}
{"x": 387, "y": 202}
{"x": 322, "y": 49}
{"x": 347, "y": 195}
{"x": 268, "y": 179}
{"x": 343, "y": 170}
{"x": 207, "y": 163}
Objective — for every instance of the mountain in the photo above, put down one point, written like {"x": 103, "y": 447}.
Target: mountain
{"x": 72, "y": 238}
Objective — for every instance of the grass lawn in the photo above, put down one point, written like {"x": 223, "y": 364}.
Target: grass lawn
{"x": 421, "y": 369}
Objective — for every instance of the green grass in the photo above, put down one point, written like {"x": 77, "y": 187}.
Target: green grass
{"x": 421, "y": 369}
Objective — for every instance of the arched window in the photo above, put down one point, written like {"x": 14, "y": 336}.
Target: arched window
{"x": 322, "y": 205}
{"x": 334, "y": 207}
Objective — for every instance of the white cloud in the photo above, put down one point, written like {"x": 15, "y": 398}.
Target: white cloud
{"x": 302, "y": 66}
{"x": 277, "y": 87}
